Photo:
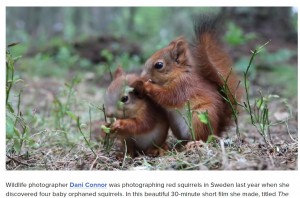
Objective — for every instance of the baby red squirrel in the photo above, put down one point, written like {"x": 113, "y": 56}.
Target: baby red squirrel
{"x": 184, "y": 73}
{"x": 140, "y": 122}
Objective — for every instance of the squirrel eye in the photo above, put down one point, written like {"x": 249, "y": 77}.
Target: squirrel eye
{"x": 158, "y": 65}
{"x": 124, "y": 99}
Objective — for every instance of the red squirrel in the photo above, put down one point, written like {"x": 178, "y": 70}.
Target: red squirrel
{"x": 184, "y": 73}
{"x": 139, "y": 121}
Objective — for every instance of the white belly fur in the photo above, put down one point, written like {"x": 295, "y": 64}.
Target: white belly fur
{"x": 178, "y": 125}
{"x": 151, "y": 138}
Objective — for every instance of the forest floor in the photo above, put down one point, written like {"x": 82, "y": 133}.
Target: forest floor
{"x": 56, "y": 150}
{"x": 52, "y": 138}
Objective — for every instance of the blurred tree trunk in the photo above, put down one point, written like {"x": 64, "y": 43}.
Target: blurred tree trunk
{"x": 33, "y": 15}
{"x": 95, "y": 14}
{"x": 130, "y": 24}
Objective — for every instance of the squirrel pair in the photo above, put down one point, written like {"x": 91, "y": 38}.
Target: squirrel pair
{"x": 178, "y": 75}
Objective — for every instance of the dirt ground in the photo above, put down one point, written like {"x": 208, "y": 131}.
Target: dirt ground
{"x": 55, "y": 153}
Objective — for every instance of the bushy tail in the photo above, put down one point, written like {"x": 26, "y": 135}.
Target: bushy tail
{"x": 214, "y": 63}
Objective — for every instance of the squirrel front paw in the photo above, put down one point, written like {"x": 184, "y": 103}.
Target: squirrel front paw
{"x": 139, "y": 87}
{"x": 116, "y": 126}
{"x": 142, "y": 88}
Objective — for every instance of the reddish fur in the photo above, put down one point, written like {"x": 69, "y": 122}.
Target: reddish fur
{"x": 214, "y": 63}
{"x": 139, "y": 122}
{"x": 142, "y": 115}
{"x": 142, "y": 122}
{"x": 202, "y": 97}
{"x": 193, "y": 73}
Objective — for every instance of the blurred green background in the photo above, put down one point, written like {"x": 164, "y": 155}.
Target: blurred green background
{"x": 57, "y": 41}
{"x": 63, "y": 57}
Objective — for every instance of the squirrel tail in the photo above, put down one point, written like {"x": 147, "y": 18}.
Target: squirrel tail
{"x": 213, "y": 61}
{"x": 215, "y": 65}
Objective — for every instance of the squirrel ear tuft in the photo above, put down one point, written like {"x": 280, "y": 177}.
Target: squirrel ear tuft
{"x": 119, "y": 72}
{"x": 179, "y": 49}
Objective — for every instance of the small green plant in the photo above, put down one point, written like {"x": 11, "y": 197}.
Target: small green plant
{"x": 109, "y": 138}
{"x": 10, "y": 73}
{"x": 62, "y": 107}
{"x": 277, "y": 69}
{"x": 231, "y": 99}
{"x": 204, "y": 118}
{"x": 188, "y": 118}
{"x": 82, "y": 134}
{"x": 17, "y": 127}
{"x": 190, "y": 121}
{"x": 259, "y": 111}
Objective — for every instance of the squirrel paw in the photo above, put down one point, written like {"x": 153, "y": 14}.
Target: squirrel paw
{"x": 116, "y": 126}
{"x": 142, "y": 87}
{"x": 138, "y": 85}
{"x": 154, "y": 152}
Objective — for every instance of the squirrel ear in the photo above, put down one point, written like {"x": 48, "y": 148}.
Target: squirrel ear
{"x": 179, "y": 49}
{"x": 119, "y": 72}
